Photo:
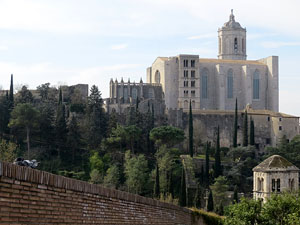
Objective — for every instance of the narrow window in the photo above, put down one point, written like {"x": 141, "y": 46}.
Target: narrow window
{"x": 235, "y": 45}
{"x": 186, "y": 73}
{"x": 151, "y": 93}
{"x": 273, "y": 185}
{"x": 230, "y": 84}
{"x": 280, "y": 127}
{"x": 193, "y": 83}
{"x": 262, "y": 184}
{"x": 185, "y": 83}
{"x": 185, "y": 93}
{"x": 204, "y": 82}
{"x": 278, "y": 185}
{"x": 192, "y": 93}
{"x": 157, "y": 77}
{"x": 243, "y": 45}
{"x": 268, "y": 118}
{"x": 280, "y": 119}
{"x": 134, "y": 93}
{"x": 185, "y": 63}
{"x": 192, "y": 63}
{"x": 256, "y": 85}
{"x": 193, "y": 74}
{"x": 125, "y": 94}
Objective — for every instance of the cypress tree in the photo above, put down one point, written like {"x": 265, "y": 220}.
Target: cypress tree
{"x": 235, "y": 195}
{"x": 11, "y": 93}
{"x": 206, "y": 177}
{"x": 235, "y": 126}
{"x": 252, "y": 134}
{"x": 182, "y": 199}
{"x": 218, "y": 169}
{"x": 171, "y": 185}
{"x": 156, "y": 185}
{"x": 245, "y": 129}
{"x": 191, "y": 131}
{"x": 210, "y": 202}
{"x": 198, "y": 197}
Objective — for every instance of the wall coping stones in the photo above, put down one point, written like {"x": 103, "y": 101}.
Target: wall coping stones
{"x": 44, "y": 180}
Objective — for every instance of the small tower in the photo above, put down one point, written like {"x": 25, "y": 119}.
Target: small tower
{"x": 274, "y": 175}
{"x": 232, "y": 40}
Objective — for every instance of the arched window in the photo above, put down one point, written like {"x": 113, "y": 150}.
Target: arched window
{"x": 230, "y": 84}
{"x": 258, "y": 184}
{"x": 204, "y": 83}
{"x": 193, "y": 104}
{"x": 262, "y": 184}
{"x": 151, "y": 93}
{"x": 157, "y": 77}
{"x": 134, "y": 93}
{"x": 256, "y": 85}
{"x": 235, "y": 45}
{"x": 278, "y": 185}
{"x": 186, "y": 104}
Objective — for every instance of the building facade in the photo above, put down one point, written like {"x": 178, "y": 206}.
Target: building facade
{"x": 274, "y": 175}
{"x": 214, "y": 84}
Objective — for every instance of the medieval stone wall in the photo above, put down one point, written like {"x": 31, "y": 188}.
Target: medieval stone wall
{"x": 29, "y": 196}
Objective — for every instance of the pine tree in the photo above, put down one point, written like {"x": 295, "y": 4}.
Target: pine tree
{"x": 156, "y": 185}
{"x": 218, "y": 167}
{"x": 235, "y": 126}
{"x": 182, "y": 199}
{"x": 252, "y": 133}
{"x": 206, "y": 177}
{"x": 210, "y": 202}
{"x": 191, "y": 131}
{"x": 245, "y": 129}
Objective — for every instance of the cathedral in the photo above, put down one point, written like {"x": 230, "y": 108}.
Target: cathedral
{"x": 214, "y": 84}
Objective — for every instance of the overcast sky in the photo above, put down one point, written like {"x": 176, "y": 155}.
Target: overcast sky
{"x": 91, "y": 41}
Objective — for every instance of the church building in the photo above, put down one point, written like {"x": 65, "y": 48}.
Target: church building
{"x": 214, "y": 84}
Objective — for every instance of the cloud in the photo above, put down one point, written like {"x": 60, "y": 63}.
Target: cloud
{"x": 3, "y": 48}
{"x": 278, "y": 44}
{"x": 119, "y": 47}
{"x": 202, "y": 36}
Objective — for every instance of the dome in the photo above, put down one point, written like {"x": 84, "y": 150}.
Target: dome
{"x": 275, "y": 163}
{"x": 232, "y": 23}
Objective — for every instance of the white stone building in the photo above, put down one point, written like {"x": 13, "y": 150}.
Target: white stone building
{"x": 274, "y": 175}
{"x": 216, "y": 83}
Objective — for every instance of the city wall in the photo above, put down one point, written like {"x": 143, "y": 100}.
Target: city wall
{"x": 29, "y": 196}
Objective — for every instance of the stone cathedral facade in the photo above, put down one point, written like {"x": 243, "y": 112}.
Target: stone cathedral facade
{"x": 214, "y": 84}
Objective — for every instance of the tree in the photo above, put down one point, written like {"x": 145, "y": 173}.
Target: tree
{"x": 73, "y": 138}
{"x": 133, "y": 135}
{"x": 167, "y": 135}
{"x": 191, "y": 132}
{"x": 182, "y": 198}
{"x": 11, "y": 94}
{"x": 8, "y": 151}
{"x": 235, "y": 195}
{"x": 112, "y": 177}
{"x": 206, "y": 177}
{"x": 61, "y": 128}
{"x": 210, "y": 202}
{"x": 156, "y": 184}
{"x": 219, "y": 189}
{"x": 247, "y": 212}
{"x": 252, "y": 134}
{"x": 235, "y": 126}
{"x": 218, "y": 166}
{"x": 25, "y": 116}
{"x": 136, "y": 173}
{"x": 4, "y": 115}
{"x": 44, "y": 91}
{"x": 96, "y": 118}
{"x": 25, "y": 96}
{"x": 245, "y": 129}
{"x": 198, "y": 197}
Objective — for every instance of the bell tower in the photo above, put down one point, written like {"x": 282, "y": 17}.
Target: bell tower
{"x": 232, "y": 40}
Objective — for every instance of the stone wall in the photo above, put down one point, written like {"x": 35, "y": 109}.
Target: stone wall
{"x": 29, "y": 196}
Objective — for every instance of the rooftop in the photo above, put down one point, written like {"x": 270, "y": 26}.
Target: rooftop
{"x": 275, "y": 163}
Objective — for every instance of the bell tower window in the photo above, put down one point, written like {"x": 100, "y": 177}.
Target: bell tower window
{"x": 235, "y": 45}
